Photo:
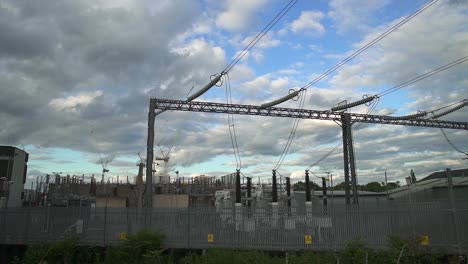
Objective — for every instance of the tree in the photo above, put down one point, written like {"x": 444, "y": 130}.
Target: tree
{"x": 300, "y": 186}
{"x": 373, "y": 187}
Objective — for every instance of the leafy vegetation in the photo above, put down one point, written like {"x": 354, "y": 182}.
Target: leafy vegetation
{"x": 370, "y": 187}
{"x": 145, "y": 247}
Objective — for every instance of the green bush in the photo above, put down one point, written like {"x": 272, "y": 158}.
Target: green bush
{"x": 215, "y": 256}
{"x": 67, "y": 251}
{"x": 355, "y": 252}
{"x": 143, "y": 247}
{"x": 313, "y": 257}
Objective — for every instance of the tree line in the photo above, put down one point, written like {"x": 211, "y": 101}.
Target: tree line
{"x": 369, "y": 187}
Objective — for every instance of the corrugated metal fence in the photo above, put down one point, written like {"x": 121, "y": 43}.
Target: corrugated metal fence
{"x": 269, "y": 228}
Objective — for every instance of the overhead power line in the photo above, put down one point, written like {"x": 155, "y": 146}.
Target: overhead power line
{"x": 260, "y": 35}
{"x": 355, "y": 128}
{"x": 232, "y": 128}
{"x": 291, "y": 134}
{"x": 292, "y": 94}
{"x": 451, "y": 144}
{"x": 423, "y": 76}
{"x": 241, "y": 54}
{"x": 462, "y": 104}
{"x": 350, "y": 57}
{"x": 402, "y": 85}
{"x": 371, "y": 43}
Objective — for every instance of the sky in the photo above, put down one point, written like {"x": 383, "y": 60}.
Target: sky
{"x": 76, "y": 78}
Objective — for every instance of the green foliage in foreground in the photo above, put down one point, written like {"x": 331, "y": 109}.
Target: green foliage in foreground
{"x": 145, "y": 247}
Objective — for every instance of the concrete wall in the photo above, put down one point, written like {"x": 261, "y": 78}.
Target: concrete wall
{"x": 171, "y": 200}
{"x": 115, "y": 202}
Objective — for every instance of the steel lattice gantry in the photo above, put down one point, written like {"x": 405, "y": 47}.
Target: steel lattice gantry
{"x": 346, "y": 119}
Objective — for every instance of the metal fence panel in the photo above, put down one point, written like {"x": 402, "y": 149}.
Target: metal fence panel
{"x": 265, "y": 228}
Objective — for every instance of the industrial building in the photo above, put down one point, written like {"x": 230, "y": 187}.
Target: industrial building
{"x": 433, "y": 188}
{"x": 13, "y": 170}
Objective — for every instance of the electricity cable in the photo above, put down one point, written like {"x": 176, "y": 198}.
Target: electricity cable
{"x": 331, "y": 151}
{"x": 370, "y": 44}
{"x": 423, "y": 76}
{"x": 449, "y": 105}
{"x": 349, "y": 58}
{"x": 260, "y": 35}
{"x": 462, "y": 104}
{"x": 240, "y": 55}
{"x": 451, "y": 144}
{"x": 403, "y": 85}
{"x": 291, "y": 134}
{"x": 232, "y": 128}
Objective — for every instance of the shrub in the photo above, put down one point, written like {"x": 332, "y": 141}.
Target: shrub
{"x": 313, "y": 257}
{"x": 67, "y": 251}
{"x": 143, "y": 247}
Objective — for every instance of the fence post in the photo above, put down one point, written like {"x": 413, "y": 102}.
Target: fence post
{"x": 26, "y": 228}
{"x": 105, "y": 224}
{"x": 453, "y": 208}
{"x": 5, "y": 215}
{"x": 188, "y": 226}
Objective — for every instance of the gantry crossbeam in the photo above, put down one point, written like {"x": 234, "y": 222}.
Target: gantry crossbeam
{"x": 209, "y": 107}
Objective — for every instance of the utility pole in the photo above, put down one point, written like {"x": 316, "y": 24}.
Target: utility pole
{"x": 149, "y": 156}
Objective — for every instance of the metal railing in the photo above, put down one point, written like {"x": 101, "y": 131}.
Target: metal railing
{"x": 268, "y": 228}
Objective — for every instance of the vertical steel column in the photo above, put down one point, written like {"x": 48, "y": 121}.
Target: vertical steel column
{"x": 307, "y": 185}
{"x": 249, "y": 191}
{"x": 288, "y": 194}
{"x": 324, "y": 194}
{"x": 352, "y": 165}
{"x": 345, "y": 159}
{"x": 238, "y": 187}
{"x": 274, "y": 190}
{"x": 149, "y": 155}
{"x": 288, "y": 190}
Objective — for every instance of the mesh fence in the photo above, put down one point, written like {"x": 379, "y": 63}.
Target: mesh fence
{"x": 268, "y": 228}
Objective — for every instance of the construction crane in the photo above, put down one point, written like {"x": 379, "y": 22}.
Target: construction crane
{"x": 165, "y": 158}
{"x": 104, "y": 163}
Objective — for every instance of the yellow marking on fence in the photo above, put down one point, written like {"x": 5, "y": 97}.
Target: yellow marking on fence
{"x": 210, "y": 238}
{"x": 424, "y": 240}
{"x": 123, "y": 236}
{"x": 308, "y": 239}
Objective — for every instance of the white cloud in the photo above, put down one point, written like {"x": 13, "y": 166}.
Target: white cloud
{"x": 74, "y": 102}
{"x": 267, "y": 41}
{"x": 434, "y": 38}
{"x": 308, "y": 22}
{"x": 279, "y": 84}
{"x": 353, "y": 15}
{"x": 239, "y": 14}
{"x": 163, "y": 52}
{"x": 242, "y": 72}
